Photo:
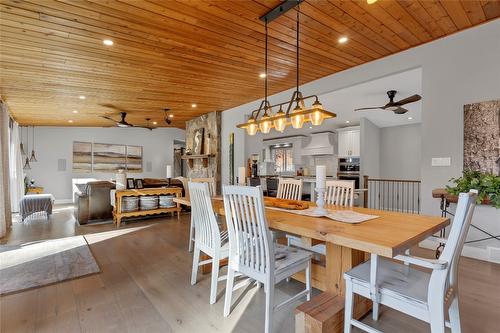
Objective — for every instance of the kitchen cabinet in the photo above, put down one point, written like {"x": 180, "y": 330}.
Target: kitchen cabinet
{"x": 349, "y": 141}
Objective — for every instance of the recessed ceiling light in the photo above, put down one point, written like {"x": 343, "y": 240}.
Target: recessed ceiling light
{"x": 410, "y": 118}
{"x": 70, "y": 121}
{"x": 170, "y": 115}
{"x": 75, "y": 111}
{"x": 81, "y": 97}
{"x": 155, "y": 122}
{"x": 262, "y": 75}
{"x": 343, "y": 39}
{"x": 107, "y": 42}
{"x": 347, "y": 121}
{"x": 371, "y": 1}
{"x": 193, "y": 105}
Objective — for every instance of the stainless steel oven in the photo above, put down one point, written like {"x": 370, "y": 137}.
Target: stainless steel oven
{"x": 349, "y": 164}
{"x": 350, "y": 176}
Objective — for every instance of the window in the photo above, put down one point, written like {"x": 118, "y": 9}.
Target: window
{"x": 282, "y": 155}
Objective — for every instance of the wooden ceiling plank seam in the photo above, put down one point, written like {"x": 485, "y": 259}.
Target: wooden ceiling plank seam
{"x": 457, "y": 13}
{"x": 105, "y": 51}
{"x": 407, "y": 22}
{"x": 356, "y": 40}
{"x": 327, "y": 34}
{"x": 317, "y": 46}
{"x": 314, "y": 50}
{"x": 374, "y": 24}
{"x": 379, "y": 19}
{"x": 277, "y": 58}
{"x": 274, "y": 33}
{"x": 474, "y": 11}
{"x": 420, "y": 14}
{"x": 434, "y": 8}
{"x": 336, "y": 13}
{"x": 491, "y": 9}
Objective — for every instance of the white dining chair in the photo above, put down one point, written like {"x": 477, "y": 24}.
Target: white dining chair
{"x": 420, "y": 294}
{"x": 208, "y": 238}
{"x": 289, "y": 188}
{"x": 211, "y": 183}
{"x": 252, "y": 251}
{"x": 338, "y": 192}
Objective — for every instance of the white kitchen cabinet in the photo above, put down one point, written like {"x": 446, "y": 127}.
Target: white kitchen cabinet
{"x": 349, "y": 141}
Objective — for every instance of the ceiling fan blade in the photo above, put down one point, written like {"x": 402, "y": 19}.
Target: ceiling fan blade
{"x": 407, "y": 100}
{"x": 400, "y": 110}
{"x": 146, "y": 127}
{"x": 108, "y": 118}
{"x": 114, "y": 107}
{"x": 372, "y": 108}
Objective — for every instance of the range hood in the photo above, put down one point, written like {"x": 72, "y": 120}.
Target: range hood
{"x": 321, "y": 144}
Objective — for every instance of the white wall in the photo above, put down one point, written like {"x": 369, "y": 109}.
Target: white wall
{"x": 400, "y": 152}
{"x": 53, "y": 143}
{"x": 370, "y": 149}
{"x": 459, "y": 69}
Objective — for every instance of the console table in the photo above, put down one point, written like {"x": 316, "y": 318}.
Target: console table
{"x": 119, "y": 194}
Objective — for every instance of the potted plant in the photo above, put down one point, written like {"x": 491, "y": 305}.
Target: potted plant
{"x": 487, "y": 185}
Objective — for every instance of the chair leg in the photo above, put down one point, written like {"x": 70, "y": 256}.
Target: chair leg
{"x": 436, "y": 313}
{"x": 375, "y": 310}
{"x": 348, "y": 306}
{"x": 454, "y": 314}
{"x": 308, "y": 281}
{"x": 229, "y": 291}
{"x": 215, "y": 277}
{"x": 196, "y": 260}
{"x": 269, "y": 307}
{"x": 191, "y": 234}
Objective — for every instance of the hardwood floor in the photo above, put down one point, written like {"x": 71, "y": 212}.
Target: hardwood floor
{"x": 144, "y": 287}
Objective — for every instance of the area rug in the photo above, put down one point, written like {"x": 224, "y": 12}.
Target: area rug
{"x": 44, "y": 262}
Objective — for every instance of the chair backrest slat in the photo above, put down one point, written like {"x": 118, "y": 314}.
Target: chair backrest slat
{"x": 340, "y": 192}
{"x": 250, "y": 245}
{"x": 207, "y": 234}
{"x": 441, "y": 280}
{"x": 210, "y": 181}
{"x": 289, "y": 188}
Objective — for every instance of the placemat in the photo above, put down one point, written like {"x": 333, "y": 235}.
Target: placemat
{"x": 346, "y": 216}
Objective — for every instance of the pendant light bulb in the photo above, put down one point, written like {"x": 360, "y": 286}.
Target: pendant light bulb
{"x": 265, "y": 122}
{"x": 316, "y": 116}
{"x": 297, "y": 119}
{"x": 280, "y": 123}
{"x": 252, "y": 127}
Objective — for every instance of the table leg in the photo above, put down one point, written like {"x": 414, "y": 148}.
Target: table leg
{"x": 325, "y": 312}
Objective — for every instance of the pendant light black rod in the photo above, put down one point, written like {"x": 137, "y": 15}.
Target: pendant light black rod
{"x": 298, "y": 17}
{"x": 266, "y": 65}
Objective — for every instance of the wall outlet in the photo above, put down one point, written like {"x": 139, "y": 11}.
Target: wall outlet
{"x": 441, "y": 161}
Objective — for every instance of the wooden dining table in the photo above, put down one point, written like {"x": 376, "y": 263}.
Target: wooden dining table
{"x": 347, "y": 245}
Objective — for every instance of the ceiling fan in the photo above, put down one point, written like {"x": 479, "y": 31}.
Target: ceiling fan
{"x": 123, "y": 122}
{"x": 393, "y": 106}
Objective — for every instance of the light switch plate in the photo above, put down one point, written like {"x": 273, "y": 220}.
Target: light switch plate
{"x": 441, "y": 161}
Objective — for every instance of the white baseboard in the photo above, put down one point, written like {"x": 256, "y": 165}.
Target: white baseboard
{"x": 63, "y": 201}
{"x": 485, "y": 254}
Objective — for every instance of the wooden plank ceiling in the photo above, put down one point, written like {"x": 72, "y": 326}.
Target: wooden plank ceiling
{"x": 173, "y": 54}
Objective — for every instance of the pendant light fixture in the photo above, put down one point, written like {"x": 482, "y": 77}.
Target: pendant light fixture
{"x": 27, "y": 161}
{"x": 300, "y": 113}
{"x": 33, "y": 157}
{"x": 21, "y": 146}
{"x": 297, "y": 115}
